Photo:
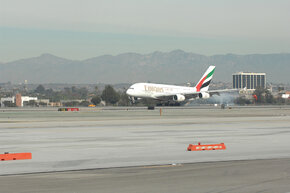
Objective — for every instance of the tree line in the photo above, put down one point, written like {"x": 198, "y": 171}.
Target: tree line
{"x": 260, "y": 96}
{"x": 72, "y": 94}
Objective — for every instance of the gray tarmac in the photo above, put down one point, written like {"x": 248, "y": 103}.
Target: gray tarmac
{"x": 267, "y": 176}
{"x": 97, "y": 138}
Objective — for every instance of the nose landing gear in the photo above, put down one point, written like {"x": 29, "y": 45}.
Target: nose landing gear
{"x": 133, "y": 100}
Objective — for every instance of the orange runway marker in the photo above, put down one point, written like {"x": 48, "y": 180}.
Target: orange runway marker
{"x": 15, "y": 156}
{"x": 200, "y": 147}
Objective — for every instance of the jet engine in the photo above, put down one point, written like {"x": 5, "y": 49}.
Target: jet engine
{"x": 204, "y": 95}
{"x": 178, "y": 98}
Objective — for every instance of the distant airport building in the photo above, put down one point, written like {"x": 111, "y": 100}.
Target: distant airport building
{"x": 7, "y": 99}
{"x": 286, "y": 95}
{"x": 249, "y": 80}
{"x": 18, "y": 100}
{"x": 27, "y": 99}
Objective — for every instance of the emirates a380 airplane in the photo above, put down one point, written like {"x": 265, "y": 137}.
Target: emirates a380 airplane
{"x": 164, "y": 92}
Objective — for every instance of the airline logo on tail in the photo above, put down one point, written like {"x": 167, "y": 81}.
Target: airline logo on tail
{"x": 203, "y": 83}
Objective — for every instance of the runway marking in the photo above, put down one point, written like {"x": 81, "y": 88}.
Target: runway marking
{"x": 163, "y": 166}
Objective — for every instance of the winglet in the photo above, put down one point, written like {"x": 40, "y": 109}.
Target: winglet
{"x": 203, "y": 83}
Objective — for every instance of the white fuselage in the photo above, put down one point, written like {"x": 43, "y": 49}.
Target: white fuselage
{"x": 151, "y": 90}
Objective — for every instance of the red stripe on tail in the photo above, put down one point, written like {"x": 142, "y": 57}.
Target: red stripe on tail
{"x": 200, "y": 84}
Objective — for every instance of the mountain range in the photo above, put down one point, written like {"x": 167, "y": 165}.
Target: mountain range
{"x": 163, "y": 67}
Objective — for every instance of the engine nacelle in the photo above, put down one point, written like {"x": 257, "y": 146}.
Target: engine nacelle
{"x": 178, "y": 98}
{"x": 204, "y": 95}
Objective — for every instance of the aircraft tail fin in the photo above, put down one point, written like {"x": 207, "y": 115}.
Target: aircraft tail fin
{"x": 203, "y": 83}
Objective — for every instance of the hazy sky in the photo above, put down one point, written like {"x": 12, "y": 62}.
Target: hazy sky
{"x": 79, "y": 29}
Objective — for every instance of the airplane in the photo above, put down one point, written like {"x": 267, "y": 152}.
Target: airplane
{"x": 164, "y": 92}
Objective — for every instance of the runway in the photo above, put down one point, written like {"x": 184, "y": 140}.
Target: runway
{"x": 113, "y": 138}
{"x": 265, "y": 176}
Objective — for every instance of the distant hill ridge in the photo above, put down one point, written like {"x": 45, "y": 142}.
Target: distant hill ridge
{"x": 163, "y": 67}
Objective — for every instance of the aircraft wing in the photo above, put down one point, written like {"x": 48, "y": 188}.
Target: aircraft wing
{"x": 164, "y": 96}
{"x": 217, "y": 92}
{"x": 169, "y": 96}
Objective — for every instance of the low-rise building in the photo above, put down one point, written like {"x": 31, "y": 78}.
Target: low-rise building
{"x": 55, "y": 104}
{"x": 7, "y": 99}
{"x": 17, "y": 100}
{"x": 286, "y": 95}
{"x": 27, "y": 99}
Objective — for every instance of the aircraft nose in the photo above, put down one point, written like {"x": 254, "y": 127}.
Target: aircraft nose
{"x": 128, "y": 92}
